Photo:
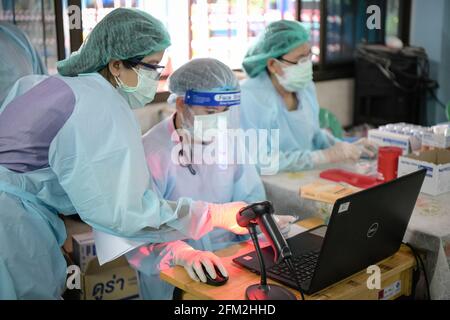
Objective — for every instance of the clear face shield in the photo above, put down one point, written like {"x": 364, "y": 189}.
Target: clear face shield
{"x": 207, "y": 120}
{"x": 209, "y": 114}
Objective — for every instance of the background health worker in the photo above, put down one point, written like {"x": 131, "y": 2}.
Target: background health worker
{"x": 280, "y": 94}
{"x": 18, "y": 58}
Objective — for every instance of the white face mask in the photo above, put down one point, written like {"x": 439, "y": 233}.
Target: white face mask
{"x": 296, "y": 77}
{"x": 203, "y": 127}
{"x": 144, "y": 92}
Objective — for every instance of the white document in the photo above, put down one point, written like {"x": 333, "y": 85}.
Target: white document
{"x": 111, "y": 247}
{"x": 294, "y": 230}
{"x": 288, "y": 232}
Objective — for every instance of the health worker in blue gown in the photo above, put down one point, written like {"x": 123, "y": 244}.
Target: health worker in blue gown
{"x": 70, "y": 144}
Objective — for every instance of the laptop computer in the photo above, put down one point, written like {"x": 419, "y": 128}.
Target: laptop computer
{"x": 364, "y": 228}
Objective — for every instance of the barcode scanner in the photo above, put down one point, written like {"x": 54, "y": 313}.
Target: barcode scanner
{"x": 261, "y": 214}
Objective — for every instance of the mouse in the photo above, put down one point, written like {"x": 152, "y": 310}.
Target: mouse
{"x": 218, "y": 281}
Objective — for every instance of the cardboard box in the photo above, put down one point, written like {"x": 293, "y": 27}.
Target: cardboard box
{"x": 83, "y": 249}
{"x": 115, "y": 280}
{"x": 435, "y": 140}
{"x": 389, "y": 139}
{"x": 320, "y": 196}
{"x": 327, "y": 192}
{"x": 437, "y": 163}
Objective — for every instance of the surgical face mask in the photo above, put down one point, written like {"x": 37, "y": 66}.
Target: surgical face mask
{"x": 144, "y": 92}
{"x": 296, "y": 77}
{"x": 204, "y": 127}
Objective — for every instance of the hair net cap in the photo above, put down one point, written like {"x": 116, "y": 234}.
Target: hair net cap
{"x": 122, "y": 34}
{"x": 203, "y": 74}
{"x": 277, "y": 39}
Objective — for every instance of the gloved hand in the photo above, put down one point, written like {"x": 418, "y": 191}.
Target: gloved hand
{"x": 192, "y": 261}
{"x": 224, "y": 216}
{"x": 368, "y": 148}
{"x": 341, "y": 151}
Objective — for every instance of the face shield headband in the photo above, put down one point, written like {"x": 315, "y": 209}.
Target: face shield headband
{"x": 212, "y": 99}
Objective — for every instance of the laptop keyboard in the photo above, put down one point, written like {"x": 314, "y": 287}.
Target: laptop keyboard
{"x": 304, "y": 267}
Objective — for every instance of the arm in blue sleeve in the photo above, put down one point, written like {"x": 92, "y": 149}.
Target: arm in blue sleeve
{"x": 266, "y": 154}
{"x": 271, "y": 160}
{"x": 324, "y": 140}
{"x": 99, "y": 160}
{"x": 297, "y": 160}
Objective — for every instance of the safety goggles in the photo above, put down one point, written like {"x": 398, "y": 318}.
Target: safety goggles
{"x": 303, "y": 59}
{"x": 148, "y": 66}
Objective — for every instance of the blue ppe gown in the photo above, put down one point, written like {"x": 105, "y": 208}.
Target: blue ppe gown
{"x": 299, "y": 131}
{"x": 211, "y": 183}
{"x": 72, "y": 145}
{"x": 18, "y": 58}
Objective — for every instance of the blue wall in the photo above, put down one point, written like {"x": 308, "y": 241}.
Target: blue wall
{"x": 430, "y": 28}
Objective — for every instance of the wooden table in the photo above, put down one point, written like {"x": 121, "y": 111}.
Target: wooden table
{"x": 398, "y": 267}
{"x": 428, "y": 230}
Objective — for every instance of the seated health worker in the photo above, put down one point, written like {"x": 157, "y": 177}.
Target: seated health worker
{"x": 170, "y": 148}
{"x": 280, "y": 94}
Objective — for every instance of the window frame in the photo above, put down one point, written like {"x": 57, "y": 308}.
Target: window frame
{"x": 323, "y": 70}
{"x": 59, "y": 22}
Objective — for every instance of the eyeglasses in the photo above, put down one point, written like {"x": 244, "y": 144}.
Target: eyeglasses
{"x": 148, "y": 66}
{"x": 301, "y": 60}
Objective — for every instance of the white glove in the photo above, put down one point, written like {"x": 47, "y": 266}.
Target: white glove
{"x": 224, "y": 216}
{"x": 284, "y": 223}
{"x": 341, "y": 151}
{"x": 192, "y": 261}
{"x": 368, "y": 148}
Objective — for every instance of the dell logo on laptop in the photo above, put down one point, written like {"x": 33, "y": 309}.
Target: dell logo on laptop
{"x": 372, "y": 230}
